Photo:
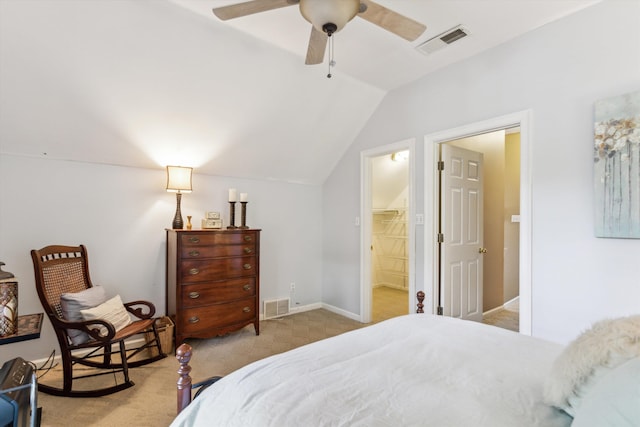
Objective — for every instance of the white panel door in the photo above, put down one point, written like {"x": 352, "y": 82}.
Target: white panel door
{"x": 461, "y": 225}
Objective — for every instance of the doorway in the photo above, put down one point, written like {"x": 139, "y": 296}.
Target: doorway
{"x": 487, "y": 290}
{"x": 389, "y": 236}
{"x": 522, "y": 120}
{"x": 387, "y": 231}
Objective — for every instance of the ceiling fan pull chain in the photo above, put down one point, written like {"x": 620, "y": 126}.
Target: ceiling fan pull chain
{"x": 331, "y": 61}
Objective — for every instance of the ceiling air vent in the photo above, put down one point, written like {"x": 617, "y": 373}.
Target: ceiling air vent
{"x": 443, "y": 40}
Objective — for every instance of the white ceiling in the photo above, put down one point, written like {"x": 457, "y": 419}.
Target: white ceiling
{"x": 381, "y": 59}
{"x": 146, "y": 83}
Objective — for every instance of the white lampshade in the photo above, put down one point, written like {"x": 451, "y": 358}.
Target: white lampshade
{"x": 320, "y": 12}
{"x": 179, "y": 179}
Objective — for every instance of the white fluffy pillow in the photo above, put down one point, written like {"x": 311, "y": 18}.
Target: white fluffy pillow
{"x": 72, "y": 303}
{"x": 112, "y": 311}
{"x": 608, "y": 344}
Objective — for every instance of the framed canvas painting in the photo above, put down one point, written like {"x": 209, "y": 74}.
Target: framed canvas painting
{"x": 617, "y": 166}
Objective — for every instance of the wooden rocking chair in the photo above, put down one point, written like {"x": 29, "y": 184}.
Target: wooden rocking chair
{"x": 65, "y": 270}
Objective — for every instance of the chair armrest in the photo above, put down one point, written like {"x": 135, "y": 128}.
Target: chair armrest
{"x": 89, "y": 327}
{"x": 147, "y": 311}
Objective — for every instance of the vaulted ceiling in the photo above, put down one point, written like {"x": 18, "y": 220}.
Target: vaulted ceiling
{"x": 147, "y": 83}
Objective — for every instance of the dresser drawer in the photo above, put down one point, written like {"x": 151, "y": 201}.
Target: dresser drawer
{"x": 217, "y": 315}
{"x": 216, "y": 292}
{"x": 197, "y": 252}
{"x": 221, "y": 238}
{"x": 217, "y": 269}
{"x": 213, "y": 281}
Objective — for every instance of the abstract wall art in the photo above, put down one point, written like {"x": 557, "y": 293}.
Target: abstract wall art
{"x": 617, "y": 166}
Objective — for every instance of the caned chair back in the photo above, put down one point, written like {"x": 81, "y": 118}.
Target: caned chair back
{"x": 59, "y": 270}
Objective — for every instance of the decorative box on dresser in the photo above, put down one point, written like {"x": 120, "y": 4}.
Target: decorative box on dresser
{"x": 213, "y": 281}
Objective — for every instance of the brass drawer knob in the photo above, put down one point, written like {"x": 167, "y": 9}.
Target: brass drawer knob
{"x": 246, "y": 309}
{"x": 247, "y": 266}
{"x": 194, "y": 253}
{"x": 246, "y": 287}
{"x": 194, "y": 271}
{"x": 248, "y": 250}
{"x": 248, "y": 238}
{"x": 194, "y": 295}
{"x": 194, "y": 319}
{"x": 194, "y": 239}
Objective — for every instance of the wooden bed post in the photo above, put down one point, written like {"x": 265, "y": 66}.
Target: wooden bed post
{"x": 420, "y": 295}
{"x": 183, "y": 354}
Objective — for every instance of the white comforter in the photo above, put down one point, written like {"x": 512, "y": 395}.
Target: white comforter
{"x": 415, "y": 370}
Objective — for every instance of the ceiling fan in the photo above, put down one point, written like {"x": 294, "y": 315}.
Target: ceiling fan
{"x": 328, "y": 17}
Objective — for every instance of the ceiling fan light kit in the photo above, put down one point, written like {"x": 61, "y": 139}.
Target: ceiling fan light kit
{"x": 322, "y": 12}
{"x": 328, "y": 17}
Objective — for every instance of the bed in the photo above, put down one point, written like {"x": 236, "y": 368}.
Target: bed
{"x": 412, "y": 370}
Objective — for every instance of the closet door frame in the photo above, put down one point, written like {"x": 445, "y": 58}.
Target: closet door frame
{"x": 366, "y": 223}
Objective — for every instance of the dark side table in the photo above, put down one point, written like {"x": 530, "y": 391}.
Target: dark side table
{"x": 29, "y": 327}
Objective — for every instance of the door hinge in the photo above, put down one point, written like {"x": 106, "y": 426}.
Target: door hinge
{"x": 440, "y": 238}
{"x": 440, "y": 165}
{"x": 440, "y": 311}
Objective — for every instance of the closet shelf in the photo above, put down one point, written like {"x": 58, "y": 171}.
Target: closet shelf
{"x": 386, "y": 211}
{"x": 398, "y": 257}
{"x": 394, "y": 273}
{"x": 393, "y": 221}
{"x": 390, "y": 244}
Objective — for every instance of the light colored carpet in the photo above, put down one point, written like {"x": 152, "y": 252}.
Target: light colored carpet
{"x": 152, "y": 401}
{"x": 507, "y": 317}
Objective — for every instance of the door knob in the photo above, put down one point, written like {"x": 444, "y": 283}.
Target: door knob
{"x": 482, "y": 250}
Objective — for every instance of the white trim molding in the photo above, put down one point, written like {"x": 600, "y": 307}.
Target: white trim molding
{"x": 523, "y": 119}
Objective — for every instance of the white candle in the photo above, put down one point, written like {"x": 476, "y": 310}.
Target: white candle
{"x": 243, "y": 197}
{"x": 232, "y": 194}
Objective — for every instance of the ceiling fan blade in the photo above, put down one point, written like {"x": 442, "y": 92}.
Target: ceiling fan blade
{"x": 392, "y": 21}
{"x": 317, "y": 46}
{"x": 250, "y": 7}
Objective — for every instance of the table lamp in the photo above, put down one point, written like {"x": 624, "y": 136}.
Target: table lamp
{"x": 178, "y": 181}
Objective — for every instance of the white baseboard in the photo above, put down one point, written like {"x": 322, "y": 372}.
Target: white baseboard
{"x": 501, "y": 307}
{"x": 315, "y": 306}
{"x": 294, "y": 310}
{"x": 341, "y": 312}
{"x": 511, "y": 301}
{"x": 493, "y": 310}
{"x": 304, "y": 308}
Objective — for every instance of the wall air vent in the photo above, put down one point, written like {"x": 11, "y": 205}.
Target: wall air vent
{"x": 443, "y": 40}
{"x": 275, "y": 308}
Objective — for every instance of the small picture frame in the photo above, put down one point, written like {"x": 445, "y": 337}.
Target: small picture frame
{"x": 212, "y": 215}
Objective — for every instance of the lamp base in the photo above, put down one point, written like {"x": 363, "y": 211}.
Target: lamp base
{"x": 178, "y": 224}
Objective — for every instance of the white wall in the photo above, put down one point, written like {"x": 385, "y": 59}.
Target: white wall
{"x": 557, "y": 71}
{"x": 120, "y": 213}
{"x": 152, "y": 83}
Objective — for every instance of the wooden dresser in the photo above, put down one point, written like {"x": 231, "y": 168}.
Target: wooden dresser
{"x": 213, "y": 281}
